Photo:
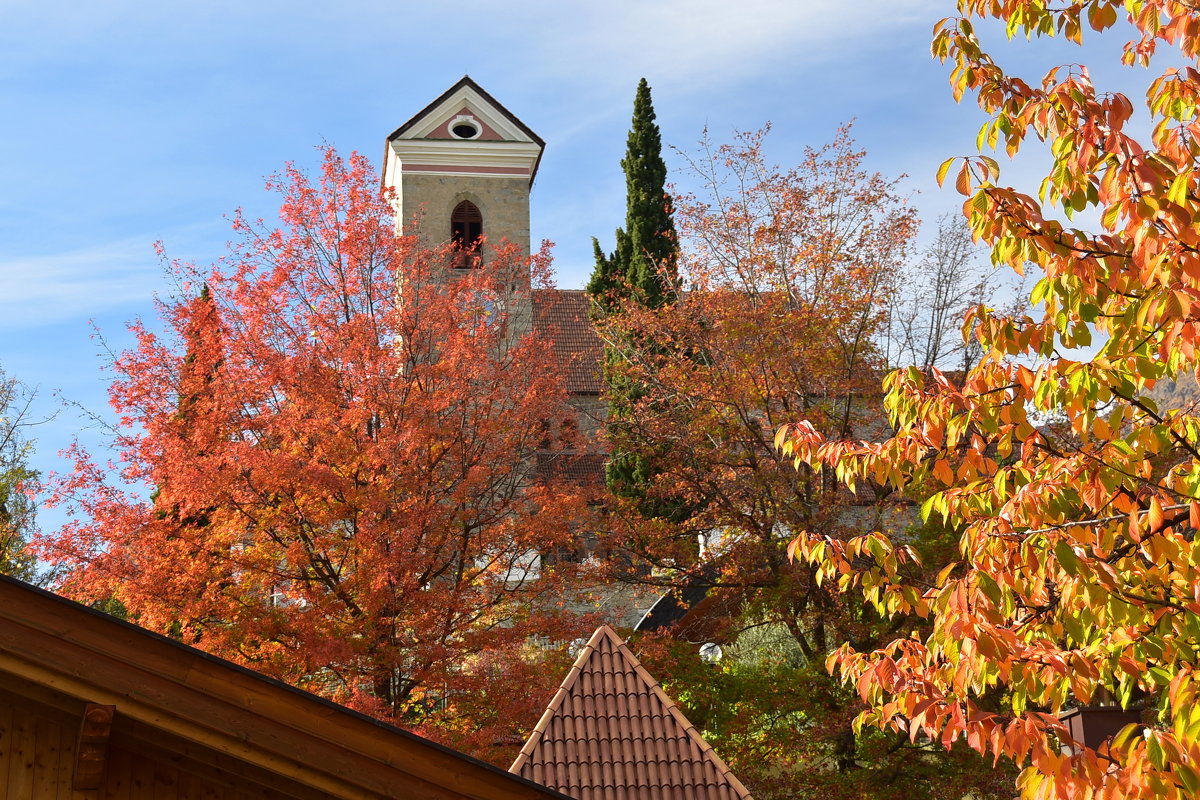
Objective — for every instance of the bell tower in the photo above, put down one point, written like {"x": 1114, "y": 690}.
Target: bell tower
{"x": 461, "y": 168}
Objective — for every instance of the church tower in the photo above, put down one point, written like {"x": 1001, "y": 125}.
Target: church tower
{"x": 461, "y": 168}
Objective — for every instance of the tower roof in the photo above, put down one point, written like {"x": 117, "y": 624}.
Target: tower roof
{"x": 458, "y": 92}
{"x": 500, "y": 144}
{"x": 612, "y": 733}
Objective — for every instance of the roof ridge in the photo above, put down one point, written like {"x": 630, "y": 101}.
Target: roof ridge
{"x": 564, "y": 689}
{"x": 467, "y": 81}
{"x": 631, "y": 661}
{"x": 677, "y": 714}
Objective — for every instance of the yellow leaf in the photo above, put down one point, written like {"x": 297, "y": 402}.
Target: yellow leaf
{"x": 1179, "y": 188}
{"x": 943, "y": 169}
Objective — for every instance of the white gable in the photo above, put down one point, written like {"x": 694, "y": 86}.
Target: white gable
{"x": 503, "y": 146}
{"x": 465, "y": 97}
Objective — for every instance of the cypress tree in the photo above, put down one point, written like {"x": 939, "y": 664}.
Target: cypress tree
{"x": 644, "y": 270}
{"x": 644, "y": 266}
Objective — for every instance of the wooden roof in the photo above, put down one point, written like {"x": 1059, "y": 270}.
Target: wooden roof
{"x": 611, "y": 733}
{"x": 225, "y": 713}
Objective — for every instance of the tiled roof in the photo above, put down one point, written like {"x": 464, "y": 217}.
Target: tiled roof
{"x": 584, "y": 470}
{"x": 562, "y": 314}
{"x": 611, "y": 733}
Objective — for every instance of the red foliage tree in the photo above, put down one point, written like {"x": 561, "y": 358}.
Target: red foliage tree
{"x": 340, "y": 440}
{"x": 789, "y": 275}
{"x": 1079, "y": 573}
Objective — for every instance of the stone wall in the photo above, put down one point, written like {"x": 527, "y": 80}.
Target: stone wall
{"x": 503, "y": 201}
{"x": 428, "y": 200}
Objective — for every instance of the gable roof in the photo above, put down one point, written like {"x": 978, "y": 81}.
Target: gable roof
{"x": 611, "y": 733}
{"x": 465, "y": 82}
{"x": 510, "y": 134}
{"x": 230, "y": 712}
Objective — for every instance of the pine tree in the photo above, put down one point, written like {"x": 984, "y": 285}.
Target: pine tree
{"x": 644, "y": 270}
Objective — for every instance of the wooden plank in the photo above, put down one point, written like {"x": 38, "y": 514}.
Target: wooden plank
{"x": 259, "y": 740}
{"x": 308, "y": 761}
{"x": 66, "y": 764}
{"x": 164, "y": 779}
{"x": 119, "y": 783}
{"x": 433, "y": 770}
{"x": 183, "y": 785}
{"x": 6, "y": 733}
{"x": 222, "y": 775}
{"x": 192, "y": 786}
{"x": 48, "y": 756}
{"x": 78, "y": 653}
{"x": 20, "y": 763}
{"x": 54, "y": 717}
{"x": 17, "y": 691}
{"x": 209, "y": 791}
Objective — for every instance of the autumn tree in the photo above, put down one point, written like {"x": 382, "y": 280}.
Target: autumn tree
{"x": 1078, "y": 563}
{"x": 644, "y": 265}
{"x": 642, "y": 271}
{"x": 935, "y": 292}
{"x": 16, "y": 479}
{"x": 788, "y": 275}
{"x": 340, "y": 443}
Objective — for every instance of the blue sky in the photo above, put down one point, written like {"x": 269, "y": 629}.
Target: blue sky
{"x": 132, "y": 122}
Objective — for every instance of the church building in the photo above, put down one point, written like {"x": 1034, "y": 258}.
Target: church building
{"x": 462, "y": 168}
{"x": 95, "y": 708}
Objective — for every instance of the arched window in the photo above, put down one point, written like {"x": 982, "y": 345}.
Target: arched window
{"x": 466, "y": 226}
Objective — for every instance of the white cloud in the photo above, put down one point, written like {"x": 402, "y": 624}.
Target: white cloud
{"x": 76, "y": 284}
{"x": 704, "y": 41}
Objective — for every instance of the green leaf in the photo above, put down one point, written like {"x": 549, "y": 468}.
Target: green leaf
{"x": 1066, "y": 556}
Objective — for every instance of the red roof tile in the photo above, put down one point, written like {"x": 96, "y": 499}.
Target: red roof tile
{"x": 583, "y": 470}
{"x": 562, "y": 314}
{"x": 611, "y": 733}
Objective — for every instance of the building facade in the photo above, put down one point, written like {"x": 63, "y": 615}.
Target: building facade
{"x": 461, "y": 171}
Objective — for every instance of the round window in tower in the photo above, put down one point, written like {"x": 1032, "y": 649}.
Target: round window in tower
{"x": 465, "y": 127}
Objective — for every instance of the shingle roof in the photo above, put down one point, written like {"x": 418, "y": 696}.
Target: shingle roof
{"x": 562, "y": 314}
{"x": 611, "y": 733}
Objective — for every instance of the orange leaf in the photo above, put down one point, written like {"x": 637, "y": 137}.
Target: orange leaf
{"x": 963, "y": 183}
